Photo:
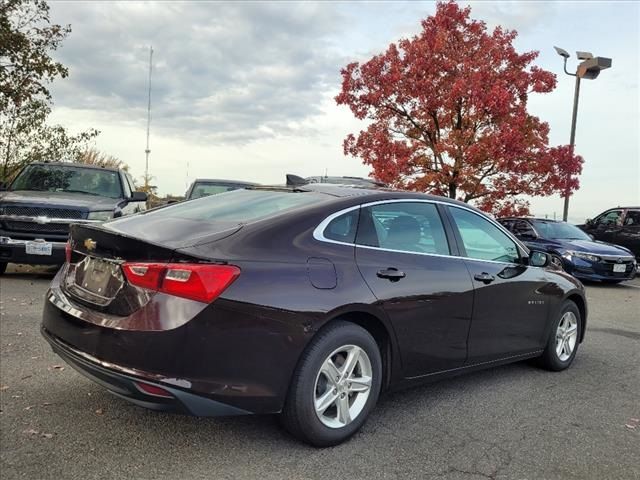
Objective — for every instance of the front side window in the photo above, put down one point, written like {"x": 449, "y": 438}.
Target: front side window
{"x": 71, "y": 179}
{"x": 413, "y": 227}
{"x": 482, "y": 239}
{"x": 610, "y": 218}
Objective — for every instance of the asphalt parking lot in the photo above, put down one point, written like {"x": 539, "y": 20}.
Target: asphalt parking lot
{"x": 512, "y": 422}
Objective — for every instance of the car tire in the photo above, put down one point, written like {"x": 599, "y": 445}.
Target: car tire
{"x": 556, "y": 260}
{"x": 564, "y": 338}
{"x": 3, "y": 267}
{"x": 311, "y": 389}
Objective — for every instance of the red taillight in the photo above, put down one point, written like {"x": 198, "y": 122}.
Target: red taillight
{"x": 67, "y": 251}
{"x": 194, "y": 281}
{"x": 154, "y": 390}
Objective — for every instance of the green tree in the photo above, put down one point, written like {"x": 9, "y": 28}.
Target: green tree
{"x": 27, "y": 39}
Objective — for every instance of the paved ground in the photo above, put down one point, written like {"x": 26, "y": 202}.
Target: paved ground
{"x": 513, "y": 422}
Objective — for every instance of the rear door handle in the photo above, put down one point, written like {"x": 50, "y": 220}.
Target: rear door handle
{"x": 392, "y": 274}
{"x": 484, "y": 277}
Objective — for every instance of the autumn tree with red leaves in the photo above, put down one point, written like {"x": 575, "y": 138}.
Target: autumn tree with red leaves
{"x": 448, "y": 115}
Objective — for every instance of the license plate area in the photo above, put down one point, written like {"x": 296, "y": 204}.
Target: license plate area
{"x": 39, "y": 248}
{"x": 95, "y": 280}
{"x": 619, "y": 268}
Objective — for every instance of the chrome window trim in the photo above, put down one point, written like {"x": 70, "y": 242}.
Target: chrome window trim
{"x": 318, "y": 232}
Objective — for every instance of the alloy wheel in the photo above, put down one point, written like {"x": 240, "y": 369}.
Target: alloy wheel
{"x": 342, "y": 386}
{"x": 566, "y": 336}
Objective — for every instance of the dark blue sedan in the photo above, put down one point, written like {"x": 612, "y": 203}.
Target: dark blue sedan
{"x": 575, "y": 251}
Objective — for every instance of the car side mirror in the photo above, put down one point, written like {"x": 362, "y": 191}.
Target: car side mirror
{"x": 539, "y": 259}
{"x": 139, "y": 197}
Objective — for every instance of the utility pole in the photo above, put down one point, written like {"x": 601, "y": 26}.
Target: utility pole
{"x": 147, "y": 151}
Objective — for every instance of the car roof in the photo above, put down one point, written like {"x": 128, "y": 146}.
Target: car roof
{"x": 220, "y": 180}
{"x": 532, "y": 218}
{"x": 77, "y": 165}
{"x": 344, "y": 192}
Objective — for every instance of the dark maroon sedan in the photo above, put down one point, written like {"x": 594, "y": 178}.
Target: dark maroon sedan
{"x": 306, "y": 301}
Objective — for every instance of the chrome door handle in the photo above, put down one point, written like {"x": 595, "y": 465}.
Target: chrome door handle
{"x": 484, "y": 277}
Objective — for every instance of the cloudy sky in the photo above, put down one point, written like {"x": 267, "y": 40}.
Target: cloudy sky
{"x": 244, "y": 90}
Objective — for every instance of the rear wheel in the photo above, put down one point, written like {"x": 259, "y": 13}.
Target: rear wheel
{"x": 335, "y": 386}
{"x": 3, "y": 267}
{"x": 563, "y": 342}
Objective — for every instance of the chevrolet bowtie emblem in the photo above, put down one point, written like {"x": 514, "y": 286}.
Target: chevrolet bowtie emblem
{"x": 90, "y": 244}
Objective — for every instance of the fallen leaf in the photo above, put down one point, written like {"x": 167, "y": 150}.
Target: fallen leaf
{"x": 635, "y": 419}
{"x": 16, "y": 396}
{"x": 47, "y": 435}
{"x": 19, "y": 333}
{"x": 47, "y": 404}
{"x": 99, "y": 411}
{"x": 57, "y": 367}
{"x": 632, "y": 427}
{"x": 4, "y": 387}
{"x": 25, "y": 377}
{"x": 31, "y": 431}
{"x": 29, "y": 407}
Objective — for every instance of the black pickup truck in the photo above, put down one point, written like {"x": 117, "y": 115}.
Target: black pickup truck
{"x": 45, "y": 198}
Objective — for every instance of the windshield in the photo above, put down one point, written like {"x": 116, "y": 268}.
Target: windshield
{"x": 239, "y": 206}
{"x": 203, "y": 189}
{"x": 72, "y": 179}
{"x": 559, "y": 231}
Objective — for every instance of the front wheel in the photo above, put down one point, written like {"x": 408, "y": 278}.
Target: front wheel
{"x": 335, "y": 386}
{"x": 3, "y": 267}
{"x": 564, "y": 338}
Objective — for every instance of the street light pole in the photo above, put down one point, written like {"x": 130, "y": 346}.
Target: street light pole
{"x": 572, "y": 141}
{"x": 589, "y": 68}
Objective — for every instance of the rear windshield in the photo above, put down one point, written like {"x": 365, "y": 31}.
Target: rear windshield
{"x": 239, "y": 206}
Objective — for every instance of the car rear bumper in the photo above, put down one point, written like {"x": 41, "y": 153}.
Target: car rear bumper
{"x": 14, "y": 251}
{"x": 124, "y": 382}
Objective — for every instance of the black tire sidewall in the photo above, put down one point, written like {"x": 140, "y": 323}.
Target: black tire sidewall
{"x": 344, "y": 333}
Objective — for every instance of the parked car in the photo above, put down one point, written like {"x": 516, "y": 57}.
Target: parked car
{"x": 573, "y": 250}
{"x": 306, "y": 301}
{"x": 356, "y": 181}
{"x": 202, "y": 187}
{"x": 45, "y": 198}
{"x": 618, "y": 225}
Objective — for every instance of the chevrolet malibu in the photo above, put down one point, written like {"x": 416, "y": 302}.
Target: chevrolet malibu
{"x": 304, "y": 301}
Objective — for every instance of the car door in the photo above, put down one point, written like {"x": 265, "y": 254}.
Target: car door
{"x": 606, "y": 226}
{"x": 629, "y": 235}
{"x": 510, "y": 308}
{"x": 404, "y": 254}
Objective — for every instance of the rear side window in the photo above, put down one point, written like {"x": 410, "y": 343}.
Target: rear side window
{"x": 239, "y": 206}
{"x": 523, "y": 229}
{"x": 632, "y": 218}
{"x": 343, "y": 228}
{"x": 413, "y": 227}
